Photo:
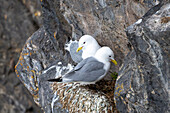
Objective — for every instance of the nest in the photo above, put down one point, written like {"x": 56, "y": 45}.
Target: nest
{"x": 97, "y": 97}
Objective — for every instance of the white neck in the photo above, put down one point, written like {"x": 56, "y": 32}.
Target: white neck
{"x": 90, "y": 51}
{"x": 106, "y": 63}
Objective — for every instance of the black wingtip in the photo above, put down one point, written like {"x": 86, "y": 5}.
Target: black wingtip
{"x": 55, "y": 80}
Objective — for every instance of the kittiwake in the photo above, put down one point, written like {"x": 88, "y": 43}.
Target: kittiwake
{"x": 91, "y": 69}
{"x": 88, "y": 45}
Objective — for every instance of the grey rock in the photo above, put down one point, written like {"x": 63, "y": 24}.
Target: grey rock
{"x": 44, "y": 56}
{"x": 143, "y": 81}
{"x": 17, "y": 23}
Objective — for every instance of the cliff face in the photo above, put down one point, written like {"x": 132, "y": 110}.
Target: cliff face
{"x": 17, "y": 23}
{"x": 142, "y": 84}
{"x": 44, "y": 57}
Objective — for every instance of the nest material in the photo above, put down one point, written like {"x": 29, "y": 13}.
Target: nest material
{"x": 87, "y": 98}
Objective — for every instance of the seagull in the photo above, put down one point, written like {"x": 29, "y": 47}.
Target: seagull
{"x": 88, "y": 45}
{"x": 91, "y": 69}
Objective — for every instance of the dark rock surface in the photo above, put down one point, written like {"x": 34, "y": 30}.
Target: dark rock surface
{"x": 143, "y": 82}
{"x": 44, "y": 56}
{"x": 17, "y": 23}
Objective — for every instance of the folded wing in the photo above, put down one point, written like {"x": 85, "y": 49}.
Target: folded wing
{"x": 89, "y": 70}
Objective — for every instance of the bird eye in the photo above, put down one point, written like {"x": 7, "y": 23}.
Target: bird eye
{"x": 109, "y": 56}
{"x": 84, "y": 42}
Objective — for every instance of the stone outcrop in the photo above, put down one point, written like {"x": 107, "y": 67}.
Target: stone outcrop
{"x": 17, "y": 23}
{"x": 143, "y": 81}
{"x": 44, "y": 55}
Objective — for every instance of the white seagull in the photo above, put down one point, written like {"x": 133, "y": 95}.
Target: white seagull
{"x": 88, "y": 45}
{"x": 90, "y": 70}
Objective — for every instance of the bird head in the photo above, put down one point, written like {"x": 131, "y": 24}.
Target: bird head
{"x": 105, "y": 54}
{"x": 86, "y": 41}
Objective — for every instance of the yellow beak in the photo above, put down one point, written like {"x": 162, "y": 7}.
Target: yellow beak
{"x": 114, "y": 61}
{"x": 79, "y": 49}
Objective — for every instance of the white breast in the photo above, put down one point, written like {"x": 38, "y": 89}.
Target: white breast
{"x": 90, "y": 51}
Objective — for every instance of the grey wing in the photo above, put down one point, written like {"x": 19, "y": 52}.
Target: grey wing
{"x": 90, "y": 72}
{"x": 82, "y": 63}
{"x": 76, "y": 57}
{"x": 79, "y": 65}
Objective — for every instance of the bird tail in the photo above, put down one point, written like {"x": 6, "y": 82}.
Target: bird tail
{"x": 55, "y": 80}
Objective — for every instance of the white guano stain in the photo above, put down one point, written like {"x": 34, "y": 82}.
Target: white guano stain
{"x": 138, "y": 22}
